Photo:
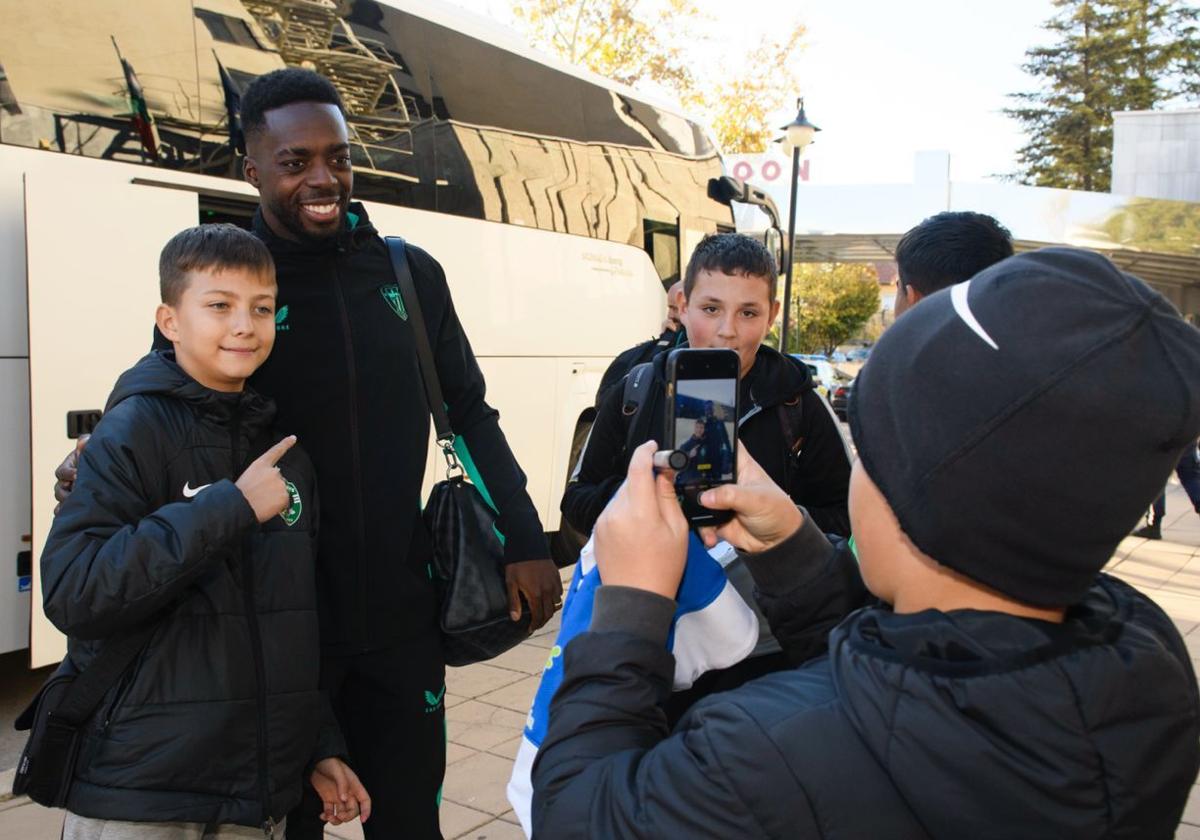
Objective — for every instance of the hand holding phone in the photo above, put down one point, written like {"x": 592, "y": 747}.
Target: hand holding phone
{"x": 701, "y": 422}
{"x": 763, "y": 514}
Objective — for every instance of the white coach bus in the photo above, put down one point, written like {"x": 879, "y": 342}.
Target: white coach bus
{"x": 561, "y": 206}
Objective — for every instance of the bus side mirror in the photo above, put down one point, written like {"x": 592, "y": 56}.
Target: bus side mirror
{"x": 773, "y": 239}
{"x": 726, "y": 189}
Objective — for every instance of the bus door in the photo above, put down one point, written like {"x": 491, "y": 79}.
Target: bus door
{"x": 93, "y": 242}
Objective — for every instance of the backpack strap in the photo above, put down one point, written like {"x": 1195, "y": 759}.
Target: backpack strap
{"x": 637, "y": 385}
{"x": 791, "y": 418}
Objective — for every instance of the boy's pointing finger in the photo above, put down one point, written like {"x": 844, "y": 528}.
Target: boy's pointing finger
{"x": 271, "y": 456}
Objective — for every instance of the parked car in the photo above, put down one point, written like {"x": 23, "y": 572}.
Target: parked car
{"x": 826, "y": 377}
{"x": 839, "y": 399}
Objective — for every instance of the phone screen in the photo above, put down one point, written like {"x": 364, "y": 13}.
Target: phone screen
{"x": 703, "y": 424}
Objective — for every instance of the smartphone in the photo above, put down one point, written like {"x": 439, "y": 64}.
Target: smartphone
{"x": 701, "y": 422}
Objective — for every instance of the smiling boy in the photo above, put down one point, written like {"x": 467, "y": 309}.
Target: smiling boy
{"x": 192, "y": 516}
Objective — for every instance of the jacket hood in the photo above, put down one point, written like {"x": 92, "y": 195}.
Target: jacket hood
{"x": 776, "y": 378}
{"x": 1073, "y": 725}
{"x": 355, "y": 236}
{"x": 157, "y": 374}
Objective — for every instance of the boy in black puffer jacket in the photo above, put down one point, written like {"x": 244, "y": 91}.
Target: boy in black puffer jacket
{"x": 1002, "y": 686}
{"x": 190, "y": 514}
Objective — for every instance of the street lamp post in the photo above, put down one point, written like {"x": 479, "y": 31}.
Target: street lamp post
{"x": 798, "y": 134}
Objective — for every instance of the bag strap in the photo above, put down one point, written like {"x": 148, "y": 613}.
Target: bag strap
{"x": 433, "y": 386}
{"x": 633, "y": 396}
{"x": 791, "y": 416}
{"x": 113, "y": 660}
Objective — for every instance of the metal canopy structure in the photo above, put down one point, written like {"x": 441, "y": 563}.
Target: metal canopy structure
{"x": 1156, "y": 240}
{"x": 1159, "y": 269}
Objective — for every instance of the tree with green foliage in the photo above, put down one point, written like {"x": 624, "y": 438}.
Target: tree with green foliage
{"x": 1107, "y": 55}
{"x": 1168, "y": 227}
{"x": 663, "y": 43}
{"x": 615, "y": 38}
{"x": 831, "y": 302}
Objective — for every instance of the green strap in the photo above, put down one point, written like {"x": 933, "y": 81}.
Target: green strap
{"x": 468, "y": 464}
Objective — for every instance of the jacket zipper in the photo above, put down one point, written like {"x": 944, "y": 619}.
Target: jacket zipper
{"x": 260, "y": 677}
{"x": 122, "y": 689}
{"x": 355, "y": 455}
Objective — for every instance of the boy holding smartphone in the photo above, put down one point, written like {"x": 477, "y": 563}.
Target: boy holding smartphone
{"x": 1001, "y": 685}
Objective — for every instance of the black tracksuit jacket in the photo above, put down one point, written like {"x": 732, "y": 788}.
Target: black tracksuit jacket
{"x": 818, "y": 478}
{"x": 345, "y": 377}
{"x": 948, "y": 725}
{"x": 220, "y": 715}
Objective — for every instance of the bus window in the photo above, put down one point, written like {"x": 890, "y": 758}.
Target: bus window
{"x": 662, "y": 244}
{"x": 229, "y": 30}
{"x": 214, "y": 210}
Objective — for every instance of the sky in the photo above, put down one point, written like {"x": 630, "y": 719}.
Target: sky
{"x": 884, "y": 79}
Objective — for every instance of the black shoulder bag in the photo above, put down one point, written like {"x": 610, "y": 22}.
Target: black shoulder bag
{"x": 56, "y": 718}
{"x": 468, "y": 551}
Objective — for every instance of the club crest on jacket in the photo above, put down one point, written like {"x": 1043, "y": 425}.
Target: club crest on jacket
{"x": 292, "y": 513}
{"x": 392, "y": 295}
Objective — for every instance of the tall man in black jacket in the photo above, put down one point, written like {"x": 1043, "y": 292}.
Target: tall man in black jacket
{"x": 344, "y": 375}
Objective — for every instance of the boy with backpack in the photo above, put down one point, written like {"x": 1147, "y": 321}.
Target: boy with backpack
{"x": 1001, "y": 685}
{"x": 729, "y": 301}
{"x": 193, "y": 523}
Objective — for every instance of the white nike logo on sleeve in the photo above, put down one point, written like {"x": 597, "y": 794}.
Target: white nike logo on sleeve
{"x": 188, "y": 492}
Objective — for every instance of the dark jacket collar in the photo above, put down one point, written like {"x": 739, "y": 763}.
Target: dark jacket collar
{"x": 351, "y": 239}
{"x": 776, "y": 378}
{"x": 157, "y": 373}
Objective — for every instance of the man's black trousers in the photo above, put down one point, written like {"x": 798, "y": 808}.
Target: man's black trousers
{"x": 391, "y": 705}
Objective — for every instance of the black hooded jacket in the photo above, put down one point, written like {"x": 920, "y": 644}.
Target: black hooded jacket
{"x": 929, "y": 725}
{"x": 220, "y": 715}
{"x": 345, "y": 378}
{"x": 818, "y": 478}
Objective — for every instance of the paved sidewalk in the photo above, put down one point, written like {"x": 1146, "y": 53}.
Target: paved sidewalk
{"x": 486, "y": 704}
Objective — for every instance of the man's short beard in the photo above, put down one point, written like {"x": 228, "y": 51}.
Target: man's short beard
{"x": 292, "y": 222}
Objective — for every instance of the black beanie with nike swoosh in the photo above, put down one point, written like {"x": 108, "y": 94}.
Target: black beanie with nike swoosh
{"x": 1020, "y": 423}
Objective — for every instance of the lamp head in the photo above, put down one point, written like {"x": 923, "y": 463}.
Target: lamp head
{"x": 800, "y": 131}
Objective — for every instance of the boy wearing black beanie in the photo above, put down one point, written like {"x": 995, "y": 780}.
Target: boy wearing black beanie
{"x": 1002, "y": 686}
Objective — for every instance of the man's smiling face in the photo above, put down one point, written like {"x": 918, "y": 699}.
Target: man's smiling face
{"x": 299, "y": 161}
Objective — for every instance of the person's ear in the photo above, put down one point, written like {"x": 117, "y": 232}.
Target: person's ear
{"x": 167, "y": 322}
{"x": 911, "y": 295}
{"x": 250, "y": 171}
{"x": 776, "y": 305}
